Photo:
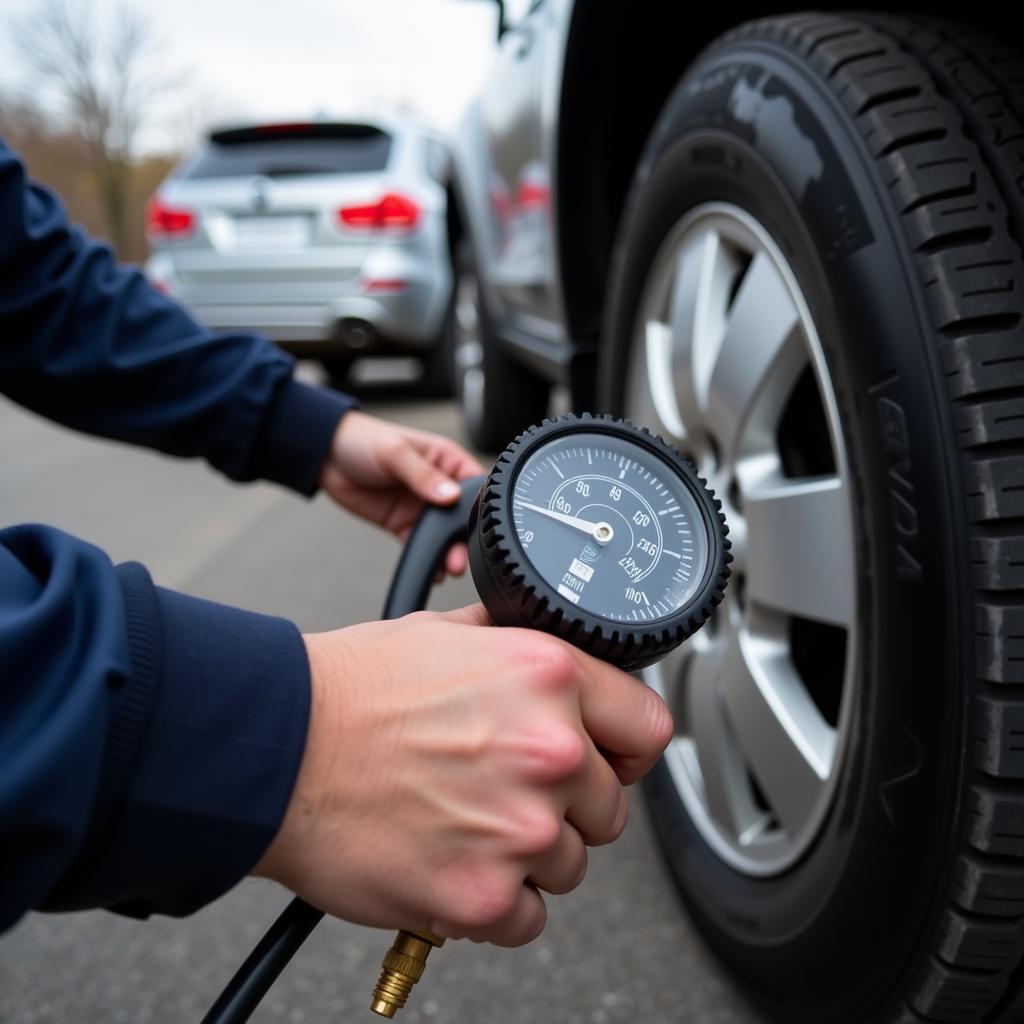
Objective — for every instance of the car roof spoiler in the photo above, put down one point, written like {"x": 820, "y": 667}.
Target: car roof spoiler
{"x": 295, "y": 130}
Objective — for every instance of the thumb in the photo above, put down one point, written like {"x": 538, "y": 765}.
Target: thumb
{"x": 471, "y": 615}
{"x": 424, "y": 479}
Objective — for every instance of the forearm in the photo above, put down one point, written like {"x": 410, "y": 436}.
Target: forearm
{"x": 150, "y": 741}
{"x": 94, "y": 346}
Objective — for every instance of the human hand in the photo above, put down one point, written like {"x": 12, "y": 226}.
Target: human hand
{"x": 453, "y": 769}
{"x": 386, "y": 473}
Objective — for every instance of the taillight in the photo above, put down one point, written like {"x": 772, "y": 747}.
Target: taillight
{"x": 532, "y": 194}
{"x": 377, "y": 285}
{"x": 168, "y": 221}
{"x": 390, "y": 211}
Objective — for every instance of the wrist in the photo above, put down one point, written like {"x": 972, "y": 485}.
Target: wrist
{"x": 339, "y": 439}
{"x": 281, "y": 859}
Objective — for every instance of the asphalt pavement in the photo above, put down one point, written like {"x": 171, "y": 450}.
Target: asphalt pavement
{"x": 619, "y": 949}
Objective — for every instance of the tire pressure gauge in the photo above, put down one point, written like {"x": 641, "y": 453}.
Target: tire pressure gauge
{"x": 592, "y": 529}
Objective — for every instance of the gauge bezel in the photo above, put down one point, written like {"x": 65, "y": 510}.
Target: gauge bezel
{"x": 516, "y": 594}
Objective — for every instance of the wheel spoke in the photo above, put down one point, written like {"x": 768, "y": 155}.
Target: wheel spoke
{"x": 726, "y": 787}
{"x": 665, "y": 676}
{"x": 759, "y": 357}
{"x": 787, "y": 744}
{"x": 697, "y": 314}
{"x": 650, "y": 398}
{"x": 723, "y": 340}
{"x": 799, "y": 549}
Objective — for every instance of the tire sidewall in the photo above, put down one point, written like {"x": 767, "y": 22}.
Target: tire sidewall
{"x": 823, "y": 928}
{"x": 439, "y": 368}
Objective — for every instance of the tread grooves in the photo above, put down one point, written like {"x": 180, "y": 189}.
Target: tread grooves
{"x": 842, "y": 34}
{"x": 981, "y": 324}
{"x": 952, "y": 239}
{"x": 913, "y": 139}
{"x": 934, "y": 197}
{"x": 939, "y": 115}
{"x": 904, "y": 93}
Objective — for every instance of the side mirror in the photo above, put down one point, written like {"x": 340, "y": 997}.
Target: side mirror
{"x": 502, "y": 18}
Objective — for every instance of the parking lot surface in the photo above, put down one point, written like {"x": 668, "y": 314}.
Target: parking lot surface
{"x": 618, "y": 949}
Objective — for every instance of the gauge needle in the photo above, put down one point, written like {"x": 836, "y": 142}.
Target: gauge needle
{"x": 601, "y": 532}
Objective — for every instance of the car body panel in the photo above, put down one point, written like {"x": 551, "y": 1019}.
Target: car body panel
{"x": 546, "y": 127}
{"x": 505, "y": 167}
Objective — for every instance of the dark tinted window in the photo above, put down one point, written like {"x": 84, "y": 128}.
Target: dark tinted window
{"x": 250, "y": 152}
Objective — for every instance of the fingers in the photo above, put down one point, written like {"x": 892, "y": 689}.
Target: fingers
{"x": 521, "y": 924}
{"x": 564, "y": 757}
{"x": 623, "y": 717}
{"x": 598, "y": 808}
{"x": 561, "y": 868}
{"x": 627, "y": 720}
{"x": 457, "y": 559}
{"x": 457, "y": 462}
{"x": 430, "y": 466}
{"x": 421, "y": 476}
{"x": 450, "y": 457}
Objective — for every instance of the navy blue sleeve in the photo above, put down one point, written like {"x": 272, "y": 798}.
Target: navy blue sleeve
{"x": 149, "y": 742}
{"x": 94, "y": 346}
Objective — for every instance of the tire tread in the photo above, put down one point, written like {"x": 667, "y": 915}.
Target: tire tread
{"x": 941, "y": 110}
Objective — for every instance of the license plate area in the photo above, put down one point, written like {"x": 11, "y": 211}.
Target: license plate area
{"x": 271, "y": 233}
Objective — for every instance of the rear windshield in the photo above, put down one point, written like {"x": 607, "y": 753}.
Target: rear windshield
{"x": 245, "y": 155}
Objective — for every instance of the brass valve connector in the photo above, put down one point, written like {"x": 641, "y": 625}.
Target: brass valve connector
{"x": 402, "y": 968}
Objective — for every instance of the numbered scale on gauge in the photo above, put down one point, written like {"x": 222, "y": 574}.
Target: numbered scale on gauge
{"x": 595, "y": 530}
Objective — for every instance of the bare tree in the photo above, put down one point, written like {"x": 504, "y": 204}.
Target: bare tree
{"x": 105, "y": 80}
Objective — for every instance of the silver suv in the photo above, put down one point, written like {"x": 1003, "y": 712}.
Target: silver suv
{"x": 329, "y": 237}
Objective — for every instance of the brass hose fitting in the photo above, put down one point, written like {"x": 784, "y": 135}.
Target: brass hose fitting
{"x": 402, "y": 968}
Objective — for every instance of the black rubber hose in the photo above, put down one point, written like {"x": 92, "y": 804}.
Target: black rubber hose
{"x": 437, "y": 529}
{"x": 435, "y": 532}
{"x": 268, "y": 959}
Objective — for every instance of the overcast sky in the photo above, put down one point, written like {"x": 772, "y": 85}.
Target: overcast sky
{"x": 298, "y": 58}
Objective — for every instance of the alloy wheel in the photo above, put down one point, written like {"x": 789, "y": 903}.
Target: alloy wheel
{"x": 726, "y": 363}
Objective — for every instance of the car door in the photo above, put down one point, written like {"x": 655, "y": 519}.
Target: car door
{"x": 521, "y": 261}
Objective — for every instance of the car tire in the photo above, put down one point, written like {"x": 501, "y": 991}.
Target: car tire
{"x": 498, "y": 396}
{"x": 842, "y": 807}
{"x": 438, "y": 380}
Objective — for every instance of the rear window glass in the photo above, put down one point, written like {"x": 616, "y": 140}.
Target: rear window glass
{"x": 286, "y": 157}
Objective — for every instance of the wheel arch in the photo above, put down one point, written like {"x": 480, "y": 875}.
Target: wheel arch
{"x": 609, "y": 106}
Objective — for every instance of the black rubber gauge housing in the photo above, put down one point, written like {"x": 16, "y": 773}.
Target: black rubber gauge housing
{"x": 597, "y": 532}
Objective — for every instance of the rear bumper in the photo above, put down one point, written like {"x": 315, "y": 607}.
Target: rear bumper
{"x": 405, "y": 319}
{"x": 402, "y": 303}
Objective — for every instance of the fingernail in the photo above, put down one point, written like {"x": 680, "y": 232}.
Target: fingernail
{"x": 622, "y": 817}
{"x": 447, "y": 489}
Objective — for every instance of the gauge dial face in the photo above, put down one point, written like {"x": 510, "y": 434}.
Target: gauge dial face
{"x": 611, "y": 527}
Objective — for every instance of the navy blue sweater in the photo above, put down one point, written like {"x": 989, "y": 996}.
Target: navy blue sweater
{"x": 149, "y": 741}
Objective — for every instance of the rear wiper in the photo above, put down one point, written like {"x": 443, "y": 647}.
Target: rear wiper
{"x": 287, "y": 172}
